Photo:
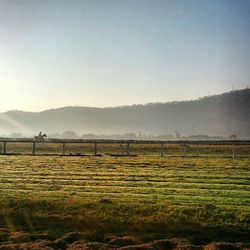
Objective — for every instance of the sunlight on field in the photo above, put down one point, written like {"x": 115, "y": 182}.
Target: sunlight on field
{"x": 125, "y": 194}
{"x": 140, "y": 179}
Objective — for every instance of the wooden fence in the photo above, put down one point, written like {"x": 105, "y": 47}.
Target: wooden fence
{"x": 98, "y": 143}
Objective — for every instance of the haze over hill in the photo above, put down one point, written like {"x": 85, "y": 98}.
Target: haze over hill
{"x": 222, "y": 115}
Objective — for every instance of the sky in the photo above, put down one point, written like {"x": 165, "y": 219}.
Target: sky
{"x": 101, "y": 53}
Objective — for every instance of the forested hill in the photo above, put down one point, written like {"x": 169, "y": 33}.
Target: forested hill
{"x": 224, "y": 114}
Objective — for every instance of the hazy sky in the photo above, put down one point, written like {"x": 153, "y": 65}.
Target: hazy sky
{"x": 113, "y": 52}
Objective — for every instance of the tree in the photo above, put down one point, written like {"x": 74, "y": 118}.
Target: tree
{"x": 232, "y": 137}
{"x": 177, "y": 134}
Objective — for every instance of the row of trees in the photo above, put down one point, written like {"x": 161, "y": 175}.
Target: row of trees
{"x": 132, "y": 136}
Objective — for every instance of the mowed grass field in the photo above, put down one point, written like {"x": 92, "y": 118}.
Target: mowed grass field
{"x": 204, "y": 198}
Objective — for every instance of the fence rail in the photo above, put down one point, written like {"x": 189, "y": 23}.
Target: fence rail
{"x": 97, "y": 142}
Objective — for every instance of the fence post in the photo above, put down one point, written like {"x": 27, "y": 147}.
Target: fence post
{"x": 233, "y": 151}
{"x": 4, "y": 147}
{"x": 63, "y": 146}
{"x": 95, "y": 148}
{"x": 162, "y": 149}
{"x": 128, "y": 149}
{"x": 197, "y": 150}
{"x": 34, "y": 148}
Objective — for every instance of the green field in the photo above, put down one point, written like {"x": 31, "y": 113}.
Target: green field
{"x": 202, "y": 199}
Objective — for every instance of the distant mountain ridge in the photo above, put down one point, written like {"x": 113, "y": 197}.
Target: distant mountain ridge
{"x": 223, "y": 115}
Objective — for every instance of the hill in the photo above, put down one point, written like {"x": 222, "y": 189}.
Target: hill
{"x": 223, "y": 115}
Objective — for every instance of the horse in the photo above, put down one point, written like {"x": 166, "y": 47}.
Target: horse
{"x": 40, "y": 137}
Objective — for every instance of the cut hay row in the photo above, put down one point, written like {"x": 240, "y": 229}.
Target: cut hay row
{"x": 223, "y": 181}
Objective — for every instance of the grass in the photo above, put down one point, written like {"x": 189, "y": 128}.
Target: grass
{"x": 121, "y": 149}
{"x": 202, "y": 198}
